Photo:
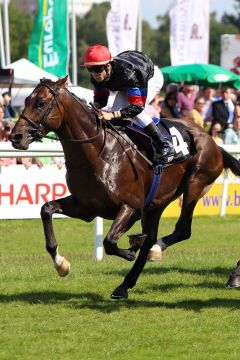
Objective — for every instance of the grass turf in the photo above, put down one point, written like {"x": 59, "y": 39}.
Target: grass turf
{"x": 179, "y": 308}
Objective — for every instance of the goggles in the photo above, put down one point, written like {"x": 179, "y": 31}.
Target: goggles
{"x": 97, "y": 69}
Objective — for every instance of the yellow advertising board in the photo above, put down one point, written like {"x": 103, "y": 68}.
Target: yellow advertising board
{"x": 210, "y": 204}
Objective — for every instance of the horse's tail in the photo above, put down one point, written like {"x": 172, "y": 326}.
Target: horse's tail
{"x": 229, "y": 162}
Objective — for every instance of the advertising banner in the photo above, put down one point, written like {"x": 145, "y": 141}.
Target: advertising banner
{"x": 210, "y": 204}
{"x": 23, "y": 191}
{"x": 189, "y": 32}
{"x": 230, "y": 52}
{"x": 48, "y": 47}
{"x": 122, "y": 24}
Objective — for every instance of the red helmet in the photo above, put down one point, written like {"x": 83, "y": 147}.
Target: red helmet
{"x": 97, "y": 55}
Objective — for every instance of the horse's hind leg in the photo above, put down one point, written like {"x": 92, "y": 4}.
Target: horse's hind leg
{"x": 195, "y": 190}
{"x": 65, "y": 206}
{"x": 150, "y": 227}
{"x": 125, "y": 219}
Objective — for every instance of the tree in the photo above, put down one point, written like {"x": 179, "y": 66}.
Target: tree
{"x": 233, "y": 19}
{"x": 20, "y": 28}
{"x": 91, "y": 29}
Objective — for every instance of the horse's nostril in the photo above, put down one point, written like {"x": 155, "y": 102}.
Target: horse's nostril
{"x": 15, "y": 138}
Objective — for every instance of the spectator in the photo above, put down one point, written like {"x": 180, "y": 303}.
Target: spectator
{"x": 186, "y": 100}
{"x": 195, "y": 114}
{"x": 154, "y": 107}
{"x": 1, "y": 121}
{"x": 1, "y": 101}
{"x": 223, "y": 109}
{"x": 216, "y": 131}
{"x": 5, "y": 129}
{"x": 169, "y": 107}
{"x": 5, "y": 132}
{"x": 232, "y": 135}
{"x": 172, "y": 87}
{"x": 208, "y": 94}
{"x": 9, "y": 111}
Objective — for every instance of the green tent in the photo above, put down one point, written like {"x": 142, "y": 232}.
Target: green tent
{"x": 201, "y": 74}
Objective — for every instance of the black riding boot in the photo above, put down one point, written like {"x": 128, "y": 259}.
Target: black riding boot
{"x": 165, "y": 146}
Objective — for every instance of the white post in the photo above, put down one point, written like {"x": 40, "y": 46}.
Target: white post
{"x": 139, "y": 30}
{"x": 2, "y": 50}
{"x": 74, "y": 46}
{"x": 224, "y": 193}
{"x": 6, "y": 28}
{"x": 98, "y": 236}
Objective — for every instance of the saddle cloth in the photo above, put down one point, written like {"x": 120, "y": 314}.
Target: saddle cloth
{"x": 173, "y": 130}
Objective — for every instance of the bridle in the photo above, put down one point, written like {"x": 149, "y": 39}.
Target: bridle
{"x": 36, "y": 132}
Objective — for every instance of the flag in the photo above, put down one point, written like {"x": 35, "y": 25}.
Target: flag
{"x": 189, "y": 32}
{"x": 122, "y": 24}
{"x": 230, "y": 52}
{"x": 48, "y": 47}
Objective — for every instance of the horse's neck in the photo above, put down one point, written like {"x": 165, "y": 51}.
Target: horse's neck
{"x": 77, "y": 126}
{"x": 78, "y": 122}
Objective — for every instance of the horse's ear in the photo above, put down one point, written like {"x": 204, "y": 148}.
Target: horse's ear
{"x": 61, "y": 83}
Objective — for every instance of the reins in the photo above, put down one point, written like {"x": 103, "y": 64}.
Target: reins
{"x": 133, "y": 146}
{"x": 38, "y": 126}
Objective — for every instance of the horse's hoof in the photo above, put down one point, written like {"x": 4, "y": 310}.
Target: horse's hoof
{"x": 129, "y": 255}
{"x": 119, "y": 293}
{"x": 155, "y": 253}
{"x": 233, "y": 283}
{"x": 63, "y": 268}
{"x": 136, "y": 240}
{"x": 234, "y": 278}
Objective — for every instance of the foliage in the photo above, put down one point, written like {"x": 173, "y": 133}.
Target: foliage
{"x": 91, "y": 29}
{"x": 233, "y": 19}
{"x": 178, "y": 310}
{"x": 20, "y": 28}
{"x": 160, "y": 52}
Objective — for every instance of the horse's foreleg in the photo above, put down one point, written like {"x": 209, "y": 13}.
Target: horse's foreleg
{"x": 150, "y": 227}
{"x": 65, "y": 206}
{"x": 126, "y": 217}
{"x": 48, "y": 209}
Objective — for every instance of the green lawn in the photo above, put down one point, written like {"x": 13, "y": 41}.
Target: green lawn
{"x": 179, "y": 308}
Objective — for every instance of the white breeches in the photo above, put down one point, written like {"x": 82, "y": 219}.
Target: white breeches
{"x": 118, "y": 100}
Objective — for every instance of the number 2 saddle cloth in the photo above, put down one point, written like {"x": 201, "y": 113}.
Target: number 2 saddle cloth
{"x": 175, "y": 131}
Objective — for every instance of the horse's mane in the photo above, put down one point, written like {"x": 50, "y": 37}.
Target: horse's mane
{"x": 81, "y": 101}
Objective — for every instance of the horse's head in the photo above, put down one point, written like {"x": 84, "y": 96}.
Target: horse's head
{"x": 43, "y": 112}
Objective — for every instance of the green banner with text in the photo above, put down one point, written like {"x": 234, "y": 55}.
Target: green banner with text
{"x": 48, "y": 48}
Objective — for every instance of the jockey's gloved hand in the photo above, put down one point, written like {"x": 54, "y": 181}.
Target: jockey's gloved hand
{"x": 104, "y": 115}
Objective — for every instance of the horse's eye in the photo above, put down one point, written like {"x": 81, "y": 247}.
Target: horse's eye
{"x": 41, "y": 104}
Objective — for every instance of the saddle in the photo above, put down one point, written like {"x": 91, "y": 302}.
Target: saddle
{"x": 173, "y": 130}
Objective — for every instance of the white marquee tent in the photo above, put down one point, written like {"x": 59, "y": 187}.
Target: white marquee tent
{"x": 27, "y": 75}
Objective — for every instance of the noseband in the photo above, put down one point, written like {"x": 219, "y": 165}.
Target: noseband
{"x": 37, "y": 127}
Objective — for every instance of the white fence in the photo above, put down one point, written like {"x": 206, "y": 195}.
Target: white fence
{"x": 55, "y": 150}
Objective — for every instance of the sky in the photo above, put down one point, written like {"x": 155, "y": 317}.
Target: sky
{"x": 152, "y": 8}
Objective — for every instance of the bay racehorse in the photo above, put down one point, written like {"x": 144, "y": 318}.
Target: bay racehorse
{"x": 107, "y": 177}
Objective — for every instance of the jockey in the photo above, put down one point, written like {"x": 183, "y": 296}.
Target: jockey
{"x": 136, "y": 80}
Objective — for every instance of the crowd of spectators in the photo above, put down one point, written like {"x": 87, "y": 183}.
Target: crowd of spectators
{"x": 215, "y": 110}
